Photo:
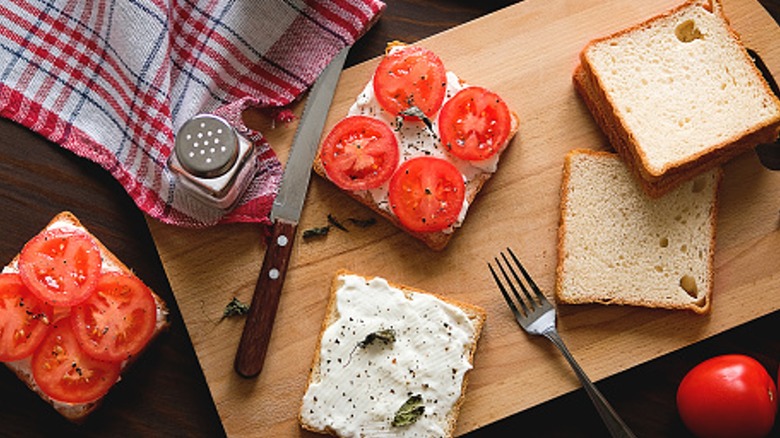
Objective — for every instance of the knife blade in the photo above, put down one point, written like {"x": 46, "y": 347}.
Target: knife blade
{"x": 285, "y": 213}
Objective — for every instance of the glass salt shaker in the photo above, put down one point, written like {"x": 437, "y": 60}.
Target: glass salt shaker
{"x": 212, "y": 161}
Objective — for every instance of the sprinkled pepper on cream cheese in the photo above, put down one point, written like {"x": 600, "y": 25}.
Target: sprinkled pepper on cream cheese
{"x": 360, "y": 390}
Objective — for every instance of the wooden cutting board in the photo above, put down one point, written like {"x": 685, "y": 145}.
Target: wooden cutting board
{"x": 526, "y": 53}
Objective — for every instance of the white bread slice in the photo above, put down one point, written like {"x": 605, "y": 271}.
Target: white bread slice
{"x": 616, "y": 245}
{"x": 356, "y": 391}
{"x": 79, "y": 412}
{"x": 435, "y": 240}
{"x": 677, "y": 95}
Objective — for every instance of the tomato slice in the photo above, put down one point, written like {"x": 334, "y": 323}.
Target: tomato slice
{"x": 474, "y": 125}
{"x": 360, "y": 153}
{"x": 66, "y": 373}
{"x": 116, "y": 321}
{"x": 426, "y": 194}
{"x": 410, "y": 76}
{"x": 24, "y": 319}
{"x": 61, "y": 266}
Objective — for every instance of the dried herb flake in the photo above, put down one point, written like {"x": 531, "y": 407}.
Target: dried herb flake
{"x": 414, "y": 111}
{"x": 362, "y": 223}
{"x": 386, "y": 336}
{"x": 316, "y": 232}
{"x": 333, "y": 221}
{"x": 235, "y": 308}
{"x": 409, "y": 412}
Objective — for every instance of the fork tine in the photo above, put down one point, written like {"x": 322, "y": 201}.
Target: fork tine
{"x": 501, "y": 287}
{"x": 531, "y": 302}
{"x": 539, "y": 295}
{"x": 523, "y": 304}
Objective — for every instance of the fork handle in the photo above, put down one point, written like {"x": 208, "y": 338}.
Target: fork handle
{"x": 615, "y": 425}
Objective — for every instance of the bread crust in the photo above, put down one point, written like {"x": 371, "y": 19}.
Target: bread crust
{"x": 437, "y": 240}
{"x": 657, "y": 182}
{"x": 79, "y": 412}
{"x": 476, "y": 314}
{"x": 702, "y": 307}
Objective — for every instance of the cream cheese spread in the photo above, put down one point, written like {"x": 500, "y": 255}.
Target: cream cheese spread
{"x": 415, "y": 140}
{"x": 361, "y": 386}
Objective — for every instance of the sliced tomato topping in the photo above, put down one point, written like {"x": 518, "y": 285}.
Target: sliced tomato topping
{"x": 66, "y": 373}
{"x": 117, "y": 320}
{"x": 410, "y": 76}
{"x": 61, "y": 266}
{"x": 24, "y": 319}
{"x": 475, "y": 124}
{"x": 426, "y": 194}
{"x": 360, "y": 153}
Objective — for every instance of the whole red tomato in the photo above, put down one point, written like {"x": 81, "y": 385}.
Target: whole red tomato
{"x": 728, "y": 396}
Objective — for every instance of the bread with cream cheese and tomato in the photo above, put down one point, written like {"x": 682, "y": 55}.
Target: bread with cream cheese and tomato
{"x": 75, "y": 317}
{"x": 677, "y": 95}
{"x": 390, "y": 361}
{"x": 418, "y": 144}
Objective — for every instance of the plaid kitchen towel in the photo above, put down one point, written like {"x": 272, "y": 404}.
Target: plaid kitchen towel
{"x": 113, "y": 80}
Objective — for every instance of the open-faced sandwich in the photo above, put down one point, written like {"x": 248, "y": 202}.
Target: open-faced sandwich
{"x": 73, "y": 317}
{"x": 418, "y": 144}
{"x": 391, "y": 361}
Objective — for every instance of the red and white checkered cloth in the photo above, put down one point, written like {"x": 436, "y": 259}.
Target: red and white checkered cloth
{"x": 113, "y": 81}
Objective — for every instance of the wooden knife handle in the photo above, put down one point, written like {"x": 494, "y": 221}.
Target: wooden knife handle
{"x": 265, "y": 301}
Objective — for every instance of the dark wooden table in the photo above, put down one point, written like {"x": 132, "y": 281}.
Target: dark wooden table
{"x": 165, "y": 394}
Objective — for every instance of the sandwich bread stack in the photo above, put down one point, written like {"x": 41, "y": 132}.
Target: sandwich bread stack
{"x": 617, "y": 245}
{"x": 677, "y": 95}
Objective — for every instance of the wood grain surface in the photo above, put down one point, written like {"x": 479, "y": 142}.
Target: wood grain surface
{"x": 166, "y": 394}
{"x": 526, "y": 53}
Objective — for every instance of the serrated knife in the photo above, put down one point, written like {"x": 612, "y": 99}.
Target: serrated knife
{"x": 285, "y": 213}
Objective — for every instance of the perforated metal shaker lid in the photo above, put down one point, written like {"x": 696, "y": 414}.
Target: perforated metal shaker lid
{"x": 206, "y": 146}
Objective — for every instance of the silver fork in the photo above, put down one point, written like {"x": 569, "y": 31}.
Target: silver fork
{"x": 536, "y": 316}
